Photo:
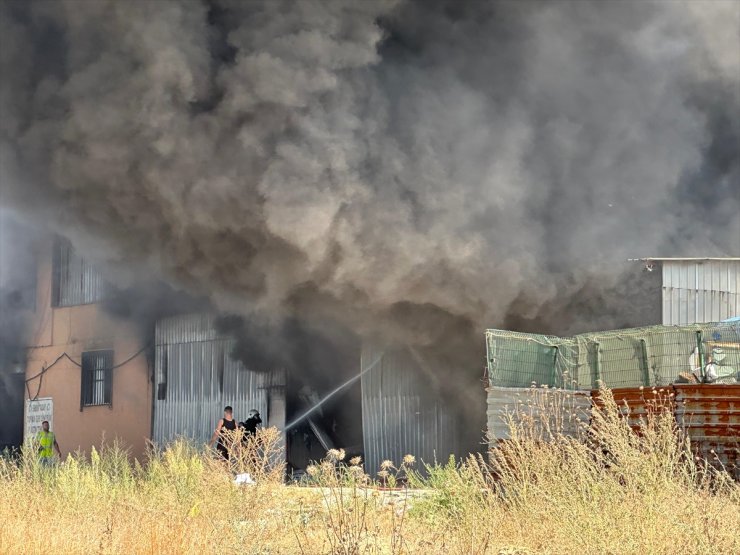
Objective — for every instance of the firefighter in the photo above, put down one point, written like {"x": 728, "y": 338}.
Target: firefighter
{"x": 250, "y": 424}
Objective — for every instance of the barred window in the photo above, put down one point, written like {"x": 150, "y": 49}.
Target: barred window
{"x": 75, "y": 280}
{"x": 97, "y": 377}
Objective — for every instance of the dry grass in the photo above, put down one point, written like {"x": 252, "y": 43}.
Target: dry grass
{"x": 607, "y": 491}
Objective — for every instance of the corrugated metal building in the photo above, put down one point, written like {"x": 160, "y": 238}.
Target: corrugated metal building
{"x": 402, "y": 411}
{"x": 698, "y": 290}
{"x": 195, "y": 377}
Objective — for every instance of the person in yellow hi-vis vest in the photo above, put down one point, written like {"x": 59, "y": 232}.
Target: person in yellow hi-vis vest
{"x": 47, "y": 444}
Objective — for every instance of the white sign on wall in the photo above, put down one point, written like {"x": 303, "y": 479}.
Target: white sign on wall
{"x": 37, "y": 411}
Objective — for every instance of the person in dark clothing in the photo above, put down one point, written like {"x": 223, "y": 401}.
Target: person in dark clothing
{"x": 249, "y": 426}
{"x": 225, "y": 425}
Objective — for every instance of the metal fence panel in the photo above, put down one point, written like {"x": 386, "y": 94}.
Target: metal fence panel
{"x": 651, "y": 356}
{"x": 522, "y": 359}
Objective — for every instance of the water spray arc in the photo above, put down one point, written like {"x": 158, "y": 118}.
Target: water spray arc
{"x": 329, "y": 395}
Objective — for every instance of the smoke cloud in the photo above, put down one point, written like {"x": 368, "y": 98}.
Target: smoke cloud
{"x": 413, "y": 170}
{"x": 17, "y": 301}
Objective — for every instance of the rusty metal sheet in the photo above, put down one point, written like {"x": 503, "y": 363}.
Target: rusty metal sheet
{"x": 638, "y": 403}
{"x": 710, "y": 415}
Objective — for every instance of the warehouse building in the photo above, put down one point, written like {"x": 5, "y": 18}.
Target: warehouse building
{"x": 697, "y": 290}
{"x": 98, "y": 378}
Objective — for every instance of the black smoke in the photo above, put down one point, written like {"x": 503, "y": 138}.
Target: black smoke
{"x": 414, "y": 170}
{"x": 18, "y": 251}
{"x": 146, "y": 301}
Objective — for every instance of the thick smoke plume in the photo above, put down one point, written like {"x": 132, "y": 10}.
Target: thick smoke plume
{"x": 413, "y": 169}
{"x": 18, "y": 249}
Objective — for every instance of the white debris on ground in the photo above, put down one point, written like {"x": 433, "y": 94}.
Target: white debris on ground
{"x": 244, "y": 479}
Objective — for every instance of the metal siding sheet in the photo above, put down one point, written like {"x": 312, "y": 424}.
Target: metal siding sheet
{"x": 400, "y": 412}
{"x": 700, "y": 291}
{"x": 710, "y": 415}
{"x": 675, "y": 301}
{"x": 686, "y": 305}
{"x": 196, "y": 396}
{"x": 185, "y": 329}
{"x": 666, "y": 311}
{"x": 570, "y": 409}
{"x": 636, "y": 403}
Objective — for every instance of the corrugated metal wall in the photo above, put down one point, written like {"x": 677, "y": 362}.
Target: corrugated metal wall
{"x": 710, "y": 415}
{"x": 696, "y": 291}
{"x": 563, "y": 410}
{"x": 195, "y": 378}
{"x": 401, "y": 414}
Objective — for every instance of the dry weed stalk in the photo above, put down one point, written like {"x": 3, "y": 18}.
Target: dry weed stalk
{"x": 559, "y": 484}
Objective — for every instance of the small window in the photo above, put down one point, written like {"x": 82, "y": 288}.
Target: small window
{"x": 97, "y": 378}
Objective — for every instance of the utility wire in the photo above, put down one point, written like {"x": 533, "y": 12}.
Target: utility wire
{"x": 78, "y": 364}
